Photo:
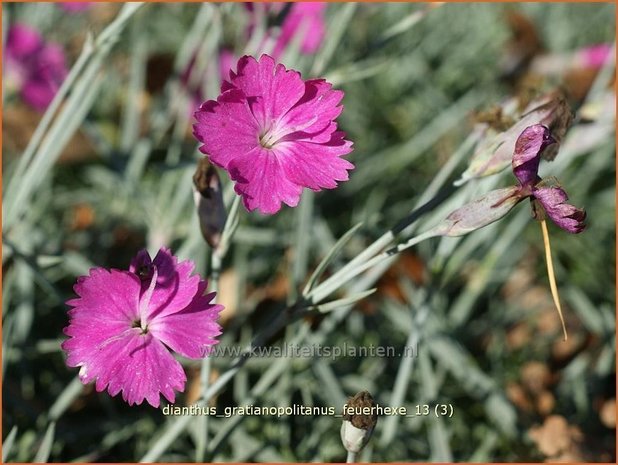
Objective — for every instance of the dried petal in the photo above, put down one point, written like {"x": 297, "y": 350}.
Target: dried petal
{"x": 527, "y": 155}
{"x": 566, "y": 216}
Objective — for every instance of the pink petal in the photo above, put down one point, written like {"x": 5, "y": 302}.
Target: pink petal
{"x": 316, "y": 166}
{"x": 138, "y": 365}
{"x": 566, "y": 216}
{"x": 262, "y": 182}
{"x": 74, "y": 7}
{"x": 192, "y": 331}
{"x": 38, "y": 93}
{"x": 271, "y": 89}
{"x": 318, "y": 104}
{"x": 226, "y": 128}
{"x": 595, "y": 56}
{"x": 22, "y": 41}
{"x": 175, "y": 286}
{"x": 107, "y": 305}
{"x": 106, "y": 295}
{"x": 306, "y": 18}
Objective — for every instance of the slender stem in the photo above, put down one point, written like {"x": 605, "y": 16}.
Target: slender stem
{"x": 552, "y": 277}
{"x": 351, "y": 457}
{"x": 216, "y": 260}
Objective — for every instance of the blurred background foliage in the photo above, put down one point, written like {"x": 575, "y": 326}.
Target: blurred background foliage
{"x": 477, "y": 308}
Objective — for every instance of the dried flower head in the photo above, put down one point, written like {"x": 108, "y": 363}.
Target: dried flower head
{"x": 546, "y": 199}
{"x": 552, "y": 199}
{"x": 123, "y": 325}
{"x": 359, "y": 421}
{"x": 274, "y": 133}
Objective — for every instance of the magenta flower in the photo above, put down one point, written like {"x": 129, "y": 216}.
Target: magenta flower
{"x": 74, "y": 7}
{"x": 305, "y": 18}
{"x": 34, "y": 68}
{"x": 552, "y": 199}
{"x": 595, "y": 56}
{"x": 123, "y": 325}
{"x": 274, "y": 133}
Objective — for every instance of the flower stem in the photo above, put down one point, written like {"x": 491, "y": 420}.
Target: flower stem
{"x": 216, "y": 260}
{"x": 552, "y": 277}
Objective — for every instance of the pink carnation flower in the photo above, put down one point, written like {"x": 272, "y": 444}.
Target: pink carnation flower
{"x": 595, "y": 56}
{"x": 124, "y": 323}
{"x": 274, "y": 133}
{"x": 306, "y": 18}
{"x": 34, "y": 68}
{"x": 74, "y": 7}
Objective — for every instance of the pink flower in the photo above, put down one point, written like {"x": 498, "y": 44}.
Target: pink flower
{"x": 34, "y": 68}
{"x": 274, "y": 133}
{"x": 74, "y": 7}
{"x": 595, "y": 56}
{"x": 306, "y": 18}
{"x": 124, "y": 323}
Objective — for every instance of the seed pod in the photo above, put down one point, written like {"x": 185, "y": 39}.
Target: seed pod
{"x": 357, "y": 427}
{"x": 480, "y": 212}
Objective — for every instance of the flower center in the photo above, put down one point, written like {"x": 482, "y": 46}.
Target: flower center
{"x": 138, "y": 324}
{"x": 269, "y": 137}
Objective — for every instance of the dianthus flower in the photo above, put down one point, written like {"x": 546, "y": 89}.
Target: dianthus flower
{"x": 75, "y": 7}
{"x": 124, "y": 323}
{"x": 306, "y": 18}
{"x": 274, "y": 133}
{"x": 34, "y": 68}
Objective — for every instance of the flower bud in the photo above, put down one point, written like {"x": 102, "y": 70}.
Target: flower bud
{"x": 357, "y": 425}
{"x": 208, "y": 198}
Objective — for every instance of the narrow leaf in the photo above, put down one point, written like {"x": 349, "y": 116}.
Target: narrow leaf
{"x": 328, "y": 258}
